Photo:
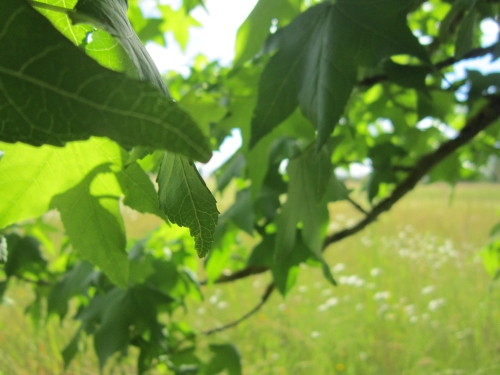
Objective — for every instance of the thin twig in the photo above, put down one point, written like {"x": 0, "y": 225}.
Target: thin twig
{"x": 357, "y": 205}
{"x": 476, "y": 124}
{"x": 248, "y": 271}
{"x": 485, "y": 117}
{"x": 477, "y": 52}
{"x": 265, "y": 297}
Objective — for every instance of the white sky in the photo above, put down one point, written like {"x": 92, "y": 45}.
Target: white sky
{"x": 216, "y": 40}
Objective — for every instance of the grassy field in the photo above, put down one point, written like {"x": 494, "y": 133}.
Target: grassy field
{"x": 412, "y": 299}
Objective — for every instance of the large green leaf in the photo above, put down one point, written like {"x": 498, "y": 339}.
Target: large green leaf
{"x": 309, "y": 176}
{"x": 31, "y": 176}
{"x": 318, "y": 56}
{"x": 53, "y": 93}
{"x": 111, "y": 16}
{"x": 186, "y": 200}
{"x": 91, "y": 216}
{"x": 226, "y": 357}
{"x": 253, "y": 32}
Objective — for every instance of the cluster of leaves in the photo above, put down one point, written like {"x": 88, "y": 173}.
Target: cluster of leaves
{"x": 87, "y": 120}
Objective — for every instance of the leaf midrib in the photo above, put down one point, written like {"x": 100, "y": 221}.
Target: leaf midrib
{"x": 92, "y": 104}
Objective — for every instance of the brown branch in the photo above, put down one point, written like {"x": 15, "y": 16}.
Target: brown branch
{"x": 477, "y": 52}
{"x": 265, "y": 297}
{"x": 485, "y": 117}
{"x": 356, "y": 205}
{"x": 247, "y": 271}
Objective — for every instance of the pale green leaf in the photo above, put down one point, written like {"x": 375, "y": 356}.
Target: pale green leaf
{"x": 31, "y": 176}
{"x": 253, "y": 32}
{"x": 178, "y": 22}
{"x": 91, "y": 216}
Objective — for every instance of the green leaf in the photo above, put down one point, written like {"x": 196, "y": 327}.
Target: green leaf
{"x": 31, "y": 176}
{"x": 111, "y": 16}
{"x": 186, "y": 200}
{"x": 437, "y": 105}
{"x": 203, "y": 108}
{"x": 178, "y": 22}
{"x": 47, "y": 71}
{"x": 109, "y": 53}
{"x": 231, "y": 169}
{"x": 318, "y": 56}
{"x": 309, "y": 175}
{"x": 406, "y": 75}
{"x": 491, "y": 258}
{"x": 241, "y": 212}
{"x": 25, "y": 256}
{"x": 76, "y": 281}
{"x": 253, "y": 32}
{"x": 465, "y": 35}
{"x": 69, "y": 352}
{"x": 222, "y": 249}
{"x": 91, "y": 216}
{"x": 226, "y": 357}
{"x": 284, "y": 271}
{"x": 140, "y": 193}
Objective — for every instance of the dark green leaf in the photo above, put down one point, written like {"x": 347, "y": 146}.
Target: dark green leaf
{"x": 69, "y": 352}
{"x": 406, "y": 76}
{"x": 66, "y": 105}
{"x": 241, "y": 212}
{"x": 186, "y": 200}
{"x": 233, "y": 168}
{"x": 24, "y": 256}
{"x": 226, "y": 357}
{"x": 318, "y": 57}
{"x": 465, "y": 35}
{"x": 77, "y": 280}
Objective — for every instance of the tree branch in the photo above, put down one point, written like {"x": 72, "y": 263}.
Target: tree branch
{"x": 356, "y": 205}
{"x": 265, "y": 297}
{"x": 485, "y": 117}
{"x": 477, "y": 52}
{"x": 476, "y": 124}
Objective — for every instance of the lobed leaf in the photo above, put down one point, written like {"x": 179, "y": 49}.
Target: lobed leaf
{"x": 318, "y": 56}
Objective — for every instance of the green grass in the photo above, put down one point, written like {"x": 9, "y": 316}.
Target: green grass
{"x": 412, "y": 299}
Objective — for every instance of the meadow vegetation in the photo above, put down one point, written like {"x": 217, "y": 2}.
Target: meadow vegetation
{"x": 413, "y": 299}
